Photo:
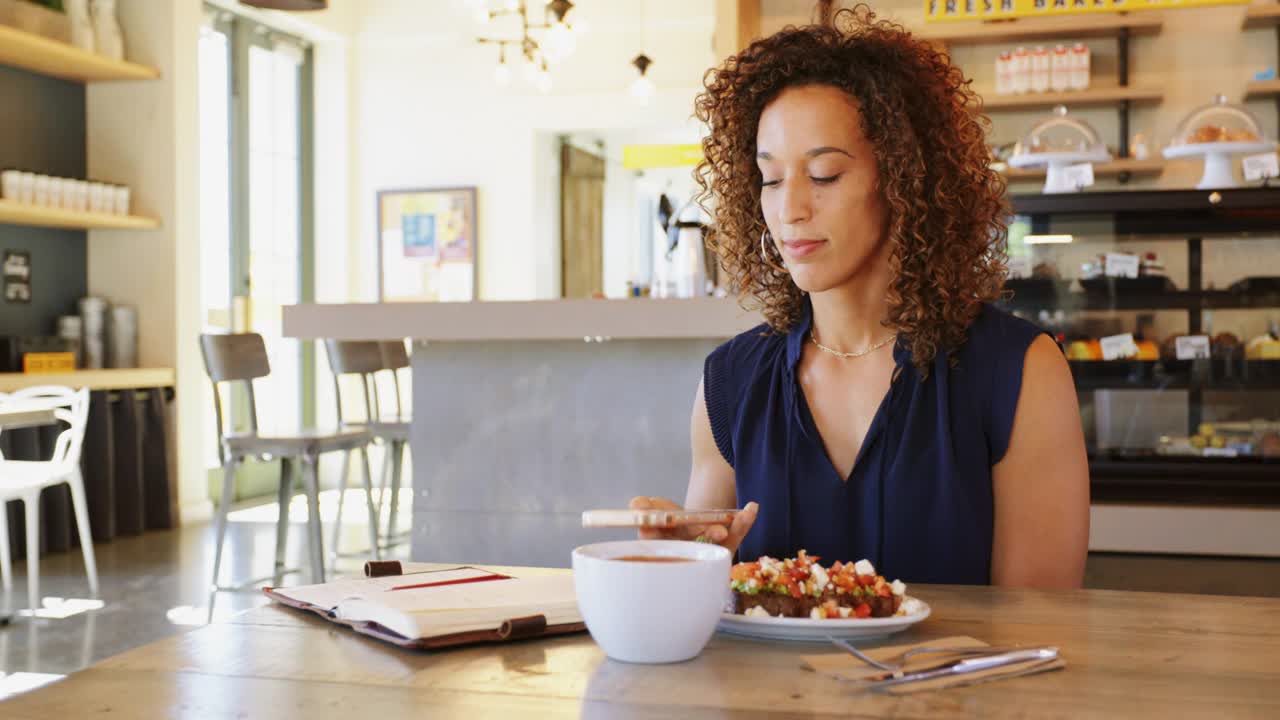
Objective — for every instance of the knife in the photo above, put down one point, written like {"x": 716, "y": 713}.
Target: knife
{"x": 969, "y": 666}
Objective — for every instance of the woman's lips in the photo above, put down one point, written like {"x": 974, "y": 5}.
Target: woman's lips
{"x": 802, "y": 248}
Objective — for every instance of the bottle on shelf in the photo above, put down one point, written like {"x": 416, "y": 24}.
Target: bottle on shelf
{"x": 81, "y": 24}
{"x": 1021, "y": 71}
{"x": 1040, "y": 69}
{"x": 1081, "y": 62}
{"x": 1004, "y": 73}
{"x": 1060, "y": 70}
{"x": 106, "y": 29}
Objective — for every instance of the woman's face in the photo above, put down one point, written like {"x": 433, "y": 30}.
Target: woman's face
{"x": 821, "y": 192}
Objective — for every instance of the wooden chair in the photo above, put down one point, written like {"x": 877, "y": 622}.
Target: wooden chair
{"x": 243, "y": 358}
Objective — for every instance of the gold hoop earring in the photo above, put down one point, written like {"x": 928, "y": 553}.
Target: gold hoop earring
{"x": 764, "y": 254}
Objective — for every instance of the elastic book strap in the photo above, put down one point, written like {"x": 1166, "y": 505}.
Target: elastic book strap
{"x": 525, "y": 627}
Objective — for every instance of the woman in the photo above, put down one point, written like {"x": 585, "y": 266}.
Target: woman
{"x": 886, "y": 410}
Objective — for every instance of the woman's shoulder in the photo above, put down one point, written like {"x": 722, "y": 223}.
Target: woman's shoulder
{"x": 759, "y": 346}
{"x": 996, "y": 333}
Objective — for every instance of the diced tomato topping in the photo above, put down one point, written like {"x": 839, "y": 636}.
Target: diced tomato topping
{"x": 792, "y": 587}
{"x": 863, "y": 610}
{"x": 742, "y": 572}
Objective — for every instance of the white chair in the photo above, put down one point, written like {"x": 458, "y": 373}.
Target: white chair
{"x": 25, "y": 479}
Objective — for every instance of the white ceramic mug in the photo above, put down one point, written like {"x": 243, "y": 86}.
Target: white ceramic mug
{"x": 57, "y": 192}
{"x": 80, "y": 200}
{"x": 27, "y": 188}
{"x": 651, "y": 612}
{"x": 120, "y": 204}
{"x": 10, "y": 181}
{"x": 42, "y": 189}
{"x": 97, "y": 197}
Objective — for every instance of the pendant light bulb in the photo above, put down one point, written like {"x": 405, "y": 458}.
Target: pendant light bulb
{"x": 642, "y": 87}
{"x": 544, "y": 80}
{"x": 502, "y": 74}
{"x": 559, "y": 42}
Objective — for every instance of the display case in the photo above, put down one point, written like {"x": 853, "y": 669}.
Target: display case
{"x": 1167, "y": 305}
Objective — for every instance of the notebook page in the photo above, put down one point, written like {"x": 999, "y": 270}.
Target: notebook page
{"x": 429, "y": 612}
{"x": 329, "y": 595}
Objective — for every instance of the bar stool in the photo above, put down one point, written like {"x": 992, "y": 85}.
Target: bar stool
{"x": 243, "y": 358}
{"x": 366, "y": 359}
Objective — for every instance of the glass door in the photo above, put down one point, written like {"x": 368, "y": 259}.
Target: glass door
{"x": 256, "y": 236}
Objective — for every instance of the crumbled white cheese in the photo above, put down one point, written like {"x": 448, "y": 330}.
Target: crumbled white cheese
{"x": 817, "y": 614}
{"x": 820, "y": 579}
{"x": 757, "y": 611}
{"x": 864, "y": 567}
{"x": 753, "y": 583}
{"x": 910, "y": 606}
{"x": 899, "y": 588}
{"x": 845, "y": 611}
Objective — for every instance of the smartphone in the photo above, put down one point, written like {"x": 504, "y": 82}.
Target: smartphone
{"x": 655, "y": 518}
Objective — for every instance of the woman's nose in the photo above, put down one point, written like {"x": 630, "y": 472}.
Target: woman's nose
{"x": 796, "y": 203}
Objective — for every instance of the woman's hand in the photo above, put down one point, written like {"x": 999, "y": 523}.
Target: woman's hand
{"x": 729, "y": 536}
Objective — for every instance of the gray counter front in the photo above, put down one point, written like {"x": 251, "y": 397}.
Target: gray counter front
{"x": 526, "y": 414}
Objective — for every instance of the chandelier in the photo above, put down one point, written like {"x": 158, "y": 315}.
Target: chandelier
{"x": 553, "y": 39}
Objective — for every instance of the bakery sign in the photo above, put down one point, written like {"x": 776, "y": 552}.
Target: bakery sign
{"x": 948, "y": 10}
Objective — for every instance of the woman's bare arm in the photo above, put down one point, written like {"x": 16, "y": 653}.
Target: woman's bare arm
{"x": 1041, "y": 485}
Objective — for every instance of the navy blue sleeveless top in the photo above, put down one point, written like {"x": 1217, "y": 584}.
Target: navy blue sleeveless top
{"x": 918, "y": 503}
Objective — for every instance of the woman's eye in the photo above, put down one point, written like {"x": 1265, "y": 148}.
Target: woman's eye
{"x": 770, "y": 183}
{"x": 825, "y": 180}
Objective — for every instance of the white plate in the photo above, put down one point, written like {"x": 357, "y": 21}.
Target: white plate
{"x": 810, "y": 630}
{"x": 1226, "y": 148}
{"x": 1026, "y": 160}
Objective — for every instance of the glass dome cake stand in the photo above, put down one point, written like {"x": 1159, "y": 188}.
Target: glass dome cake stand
{"x": 1216, "y": 132}
{"x": 1056, "y": 143}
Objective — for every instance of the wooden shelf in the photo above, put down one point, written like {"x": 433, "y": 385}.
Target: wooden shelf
{"x": 13, "y": 213}
{"x": 1115, "y": 167}
{"x": 1073, "y": 99}
{"x": 970, "y": 33}
{"x": 1262, "y": 88}
{"x": 1262, "y": 15}
{"x": 42, "y": 55}
{"x": 109, "y": 379}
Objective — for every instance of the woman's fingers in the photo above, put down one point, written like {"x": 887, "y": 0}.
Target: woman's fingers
{"x": 729, "y": 536}
{"x": 742, "y": 523}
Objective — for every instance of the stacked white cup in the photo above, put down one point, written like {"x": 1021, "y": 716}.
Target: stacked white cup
{"x": 28, "y": 188}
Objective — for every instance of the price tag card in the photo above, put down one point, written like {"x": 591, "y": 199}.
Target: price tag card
{"x": 1122, "y": 265}
{"x": 1020, "y": 266}
{"x": 1079, "y": 176}
{"x": 1257, "y": 167}
{"x": 1192, "y": 347}
{"x": 1118, "y": 347}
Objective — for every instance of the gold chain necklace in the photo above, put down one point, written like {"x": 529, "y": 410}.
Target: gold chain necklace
{"x": 850, "y": 355}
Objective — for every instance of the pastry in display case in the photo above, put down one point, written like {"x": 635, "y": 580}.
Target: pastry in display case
{"x": 1217, "y": 132}
{"x": 1151, "y": 277}
{"x": 1056, "y": 143}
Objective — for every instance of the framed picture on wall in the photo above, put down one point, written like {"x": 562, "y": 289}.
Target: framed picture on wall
{"x": 427, "y": 245}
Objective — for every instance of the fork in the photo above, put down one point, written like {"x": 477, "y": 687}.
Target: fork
{"x": 902, "y": 657}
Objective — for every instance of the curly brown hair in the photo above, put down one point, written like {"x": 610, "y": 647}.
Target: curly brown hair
{"x": 945, "y": 206}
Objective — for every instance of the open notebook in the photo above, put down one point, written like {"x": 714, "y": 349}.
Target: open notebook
{"x": 424, "y": 606}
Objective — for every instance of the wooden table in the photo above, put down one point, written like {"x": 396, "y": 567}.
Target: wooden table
{"x": 1128, "y": 655}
